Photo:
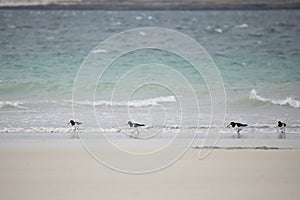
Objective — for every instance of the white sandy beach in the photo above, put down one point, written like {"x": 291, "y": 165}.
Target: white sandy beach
{"x": 62, "y": 169}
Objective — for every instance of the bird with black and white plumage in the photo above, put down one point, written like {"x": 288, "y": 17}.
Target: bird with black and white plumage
{"x": 281, "y": 126}
{"x": 74, "y": 124}
{"x": 135, "y": 125}
{"x": 237, "y": 126}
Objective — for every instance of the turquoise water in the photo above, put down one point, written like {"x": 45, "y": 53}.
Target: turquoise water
{"x": 256, "y": 52}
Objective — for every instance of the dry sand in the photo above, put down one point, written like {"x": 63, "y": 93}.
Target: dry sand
{"x": 62, "y": 169}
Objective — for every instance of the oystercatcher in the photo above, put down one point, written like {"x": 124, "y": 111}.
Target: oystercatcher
{"x": 237, "y": 126}
{"x": 74, "y": 124}
{"x": 135, "y": 125}
{"x": 281, "y": 127}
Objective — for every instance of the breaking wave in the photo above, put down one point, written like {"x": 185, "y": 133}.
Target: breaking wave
{"x": 12, "y": 104}
{"x": 287, "y": 101}
{"x": 46, "y": 103}
{"x": 132, "y": 103}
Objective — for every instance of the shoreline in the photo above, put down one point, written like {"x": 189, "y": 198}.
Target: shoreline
{"x": 198, "y": 144}
{"x": 154, "y": 6}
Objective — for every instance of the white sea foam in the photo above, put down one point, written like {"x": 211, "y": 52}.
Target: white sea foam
{"x": 13, "y": 104}
{"x": 248, "y": 134}
{"x": 99, "y": 51}
{"x": 218, "y": 30}
{"x": 116, "y": 23}
{"x": 138, "y": 17}
{"x": 142, "y": 33}
{"x": 287, "y": 101}
{"x": 132, "y": 103}
{"x": 243, "y": 26}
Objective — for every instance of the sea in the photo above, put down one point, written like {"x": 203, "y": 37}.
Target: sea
{"x": 49, "y": 73}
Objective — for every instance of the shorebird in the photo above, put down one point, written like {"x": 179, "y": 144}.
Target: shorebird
{"x": 135, "y": 125}
{"x": 74, "y": 124}
{"x": 281, "y": 127}
{"x": 237, "y": 126}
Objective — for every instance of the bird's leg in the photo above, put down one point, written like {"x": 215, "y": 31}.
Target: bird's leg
{"x": 135, "y": 135}
{"x": 238, "y": 132}
{"x": 283, "y": 132}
